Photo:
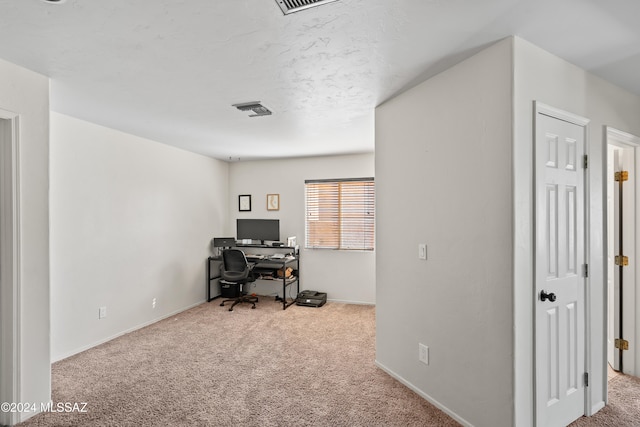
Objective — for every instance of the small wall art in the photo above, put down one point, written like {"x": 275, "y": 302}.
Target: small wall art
{"x": 244, "y": 202}
{"x": 273, "y": 202}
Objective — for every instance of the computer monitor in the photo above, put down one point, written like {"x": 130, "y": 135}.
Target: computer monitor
{"x": 258, "y": 229}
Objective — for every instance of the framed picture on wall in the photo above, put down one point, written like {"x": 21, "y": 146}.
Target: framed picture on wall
{"x": 273, "y": 202}
{"x": 244, "y": 202}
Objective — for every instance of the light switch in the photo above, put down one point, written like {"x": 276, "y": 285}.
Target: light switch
{"x": 422, "y": 251}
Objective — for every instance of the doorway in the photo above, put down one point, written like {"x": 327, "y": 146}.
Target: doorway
{"x": 622, "y": 237}
{"x": 9, "y": 253}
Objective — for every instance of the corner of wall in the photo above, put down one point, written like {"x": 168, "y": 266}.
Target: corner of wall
{"x": 460, "y": 120}
{"x": 26, "y": 94}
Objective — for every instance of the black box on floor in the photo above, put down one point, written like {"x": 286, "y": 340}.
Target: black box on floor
{"x": 311, "y": 298}
{"x": 229, "y": 290}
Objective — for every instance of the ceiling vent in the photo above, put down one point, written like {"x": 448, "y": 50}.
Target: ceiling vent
{"x": 255, "y": 106}
{"x": 290, "y": 6}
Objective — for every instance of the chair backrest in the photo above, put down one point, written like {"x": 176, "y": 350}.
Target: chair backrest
{"x": 234, "y": 260}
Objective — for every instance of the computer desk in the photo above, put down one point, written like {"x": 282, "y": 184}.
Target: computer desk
{"x": 266, "y": 267}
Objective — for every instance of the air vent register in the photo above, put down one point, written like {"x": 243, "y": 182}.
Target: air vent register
{"x": 290, "y": 6}
{"x": 254, "y": 106}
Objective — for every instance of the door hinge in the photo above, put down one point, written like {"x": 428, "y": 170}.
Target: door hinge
{"x": 622, "y": 176}
{"x": 586, "y": 270}
{"x": 622, "y": 260}
{"x": 622, "y": 344}
{"x": 586, "y": 379}
{"x": 585, "y": 161}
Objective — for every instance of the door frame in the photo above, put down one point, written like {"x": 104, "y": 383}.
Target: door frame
{"x": 541, "y": 108}
{"x": 10, "y": 263}
{"x": 626, "y": 140}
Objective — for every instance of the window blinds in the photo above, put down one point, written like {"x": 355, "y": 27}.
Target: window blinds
{"x": 340, "y": 214}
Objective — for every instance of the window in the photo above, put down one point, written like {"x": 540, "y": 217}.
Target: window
{"x": 340, "y": 214}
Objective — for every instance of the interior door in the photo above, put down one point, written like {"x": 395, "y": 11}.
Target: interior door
{"x": 559, "y": 271}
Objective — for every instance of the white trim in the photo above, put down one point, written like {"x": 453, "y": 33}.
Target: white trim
{"x": 587, "y": 280}
{"x": 605, "y": 302}
{"x": 626, "y": 140}
{"x": 10, "y": 228}
{"x": 620, "y": 136}
{"x": 424, "y": 395}
{"x": 595, "y": 408}
{"x": 344, "y": 301}
{"x": 540, "y": 108}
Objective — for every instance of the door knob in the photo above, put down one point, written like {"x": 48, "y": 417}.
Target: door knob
{"x": 547, "y": 296}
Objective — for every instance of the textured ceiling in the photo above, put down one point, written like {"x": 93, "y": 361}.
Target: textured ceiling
{"x": 169, "y": 70}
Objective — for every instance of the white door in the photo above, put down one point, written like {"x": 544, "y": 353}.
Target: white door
{"x": 559, "y": 271}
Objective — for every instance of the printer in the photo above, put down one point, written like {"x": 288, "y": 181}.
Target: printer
{"x": 311, "y": 298}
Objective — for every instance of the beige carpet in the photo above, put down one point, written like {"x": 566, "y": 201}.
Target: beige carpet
{"x": 623, "y": 409}
{"x": 264, "y": 367}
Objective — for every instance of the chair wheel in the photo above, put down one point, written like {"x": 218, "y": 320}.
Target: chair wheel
{"x": 222, "y": 304}
{"x": 253, "y": 307}
{"x": 231, "y": 309}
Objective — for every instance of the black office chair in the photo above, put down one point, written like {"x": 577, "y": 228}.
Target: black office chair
{"x": 236, "y": 270}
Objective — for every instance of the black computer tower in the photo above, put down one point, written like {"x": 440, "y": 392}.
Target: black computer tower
{"x": 229, "y": 290}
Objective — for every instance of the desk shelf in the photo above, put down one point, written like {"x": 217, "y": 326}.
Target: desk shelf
{"x": 271, "y": 267}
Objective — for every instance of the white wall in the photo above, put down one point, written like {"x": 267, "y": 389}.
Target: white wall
{"x": 443, "y": 177}
{"x": 131, "y": 220}
{"x": 546, "y": 78}
{"x": 27, "y": 94}
{"x": 344, "y": 275}
{"x": 414, "y": 132}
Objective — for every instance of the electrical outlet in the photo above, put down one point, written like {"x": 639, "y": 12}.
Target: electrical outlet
{"x": 153, "y": 303}
{"x": 423, "y": 353}
{"x": 422, "y": 251}
{"x": 102, "y": 312}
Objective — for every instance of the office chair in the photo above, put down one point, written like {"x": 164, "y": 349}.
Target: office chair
{"x": 236, "y": 270}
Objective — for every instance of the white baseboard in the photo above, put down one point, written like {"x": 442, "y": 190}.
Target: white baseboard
{"x": 595, "y": 408}
{"x": 343, "y": 301}
{"x": 135, "y": 328}
{"x": 24, "y": 416}
{"x": 425, "y": 396}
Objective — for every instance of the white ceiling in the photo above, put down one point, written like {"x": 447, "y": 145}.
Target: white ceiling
{"x": 169, "y": 70}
